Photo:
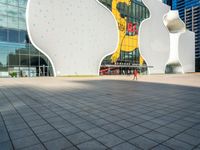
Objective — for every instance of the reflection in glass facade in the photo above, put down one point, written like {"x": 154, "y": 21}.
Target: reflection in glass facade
{"x": 168, "y": 2}
{"x": 133, "y": 14}
{"x": 17, "y": 55}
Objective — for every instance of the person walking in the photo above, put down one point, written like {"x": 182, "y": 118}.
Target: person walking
{"x": 135, "y": 74}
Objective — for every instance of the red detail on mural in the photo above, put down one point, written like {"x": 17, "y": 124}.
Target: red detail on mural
{"x": 132, "y": 27}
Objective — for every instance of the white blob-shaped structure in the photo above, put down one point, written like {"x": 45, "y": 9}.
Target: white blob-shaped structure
{"x": 154, "y": 42}
{"x": 75, "y": 35}
{"x": 164, "y": 42}
{"x": 173, "y": 22}
{"x": 182, "y": 45}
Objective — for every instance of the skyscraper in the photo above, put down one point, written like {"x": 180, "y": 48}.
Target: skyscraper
{"x": 168, "y": 2}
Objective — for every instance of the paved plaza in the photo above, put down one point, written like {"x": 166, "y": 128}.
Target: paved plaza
{"x": 101, "y": 113}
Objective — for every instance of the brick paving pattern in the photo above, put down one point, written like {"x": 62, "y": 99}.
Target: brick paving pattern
{"x": 97, "y": 114}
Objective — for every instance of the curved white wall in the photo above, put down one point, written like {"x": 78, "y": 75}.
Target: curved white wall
{"x": 186, "y": 47}
{"x": 154, "y": 42}
{"x": 74, "y": 34}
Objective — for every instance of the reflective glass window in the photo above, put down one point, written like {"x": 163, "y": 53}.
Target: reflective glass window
{"x": 22, "y": 13}
{"x": 22, "y": 36}
{"x": 24, "y": 50}
{"x": 3, "y": 9}
{"x": 13, "y": 2}
{"x": 3, "y": 34}
{"x": 3, "y": 59}
{"x": 22, "y": 3}
{"x": 13, "y": 59}
{"x": 3, "y": 1}
{"x": 3, "y": 21}
{"x": 4, "y": 49}
{"x": 3, "y": 69}
{"x": 22, "y": 24}
{"x": 33, "y": 50}
{"x": 43, "y": 60}
{"x": 13, "y": 22}
{"x": 13, "y": 35}
{"x": 24, "y": 60}
{"x": 34, "y": 60}
{"x": 13, "y": 48}
{"x": 12, "y": 11}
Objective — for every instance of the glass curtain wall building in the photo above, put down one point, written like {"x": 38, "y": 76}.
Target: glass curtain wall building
{"x": 18, "y": 57}
{"x": 189, "y": 11}
{"x": 168, "y": 2}
{"x": 134, "y": 14}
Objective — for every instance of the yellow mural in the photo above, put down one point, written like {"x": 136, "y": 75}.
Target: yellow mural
{"x": 127, "y": 43}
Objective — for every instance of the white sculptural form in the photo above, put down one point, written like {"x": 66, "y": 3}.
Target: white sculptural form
{"x": 75, "y": 35}
{"x": 164, "y": 42}
{"x": 182, "y": 54}
{"x": 154, "y": 42}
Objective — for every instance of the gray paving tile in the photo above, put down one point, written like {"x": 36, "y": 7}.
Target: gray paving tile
{"x": 136, "y": 120}
{"x": 111, "y": 127}
{"x": 48, "y": 115}
{"x": 126, "y": 134}
{"x": 156, "y": 136}
{"x": 188, "y": 139}
{"x": 139, "y": 129}
{"x": 110, "y": 140}
{"x": 167, "y": 131}
{"x": 197, "y": 127}
{"x": 14, "y": 121}
{"x": 177, "y": 145}
{"x": 55, "y": 119}
{"x": 15, "y": 127}
{"x": 21, "y": 133}
{"x": 69, "y": 130}
{"x": 123, "y": 116}
{"x": 100, "y": 122}
{"x": 125, "y": 146}
{"x": 150, "y": 125}
{"x": 3, "y": 135}
{"x": 193, "y": 132}
{"x": 196, "y": 148}
{"x": 160, "y": 121}
{"x": 60, "y": 124}
{"x": 85, "y": 126}
{"x": 96, "y": 132}
{"x": 146, "y": 117}
{"x": 6, "y": 145}
{"x": 25, "y": 142}
{"x": 79, "y": 138}
{"x": 91, "y": 145}
{"x": 112, "y": 118}
{"x": 76, "y": 120}
{"x": 71, "y": 148}
{"x": 32, "y": 117}
{"x": 58, "y": 144}
{"x": 185, "y": 123}
{"x": 124, "y": 123}
{"x": 42, "y": 128}
{"x": 35, "y": 123}
{"x": 176, "y": 127}
{"x": 141, "y": 110}
{"x": 49, "y": 135}
{"x": 143, "y": 142}
{"x": 35, "y": 147}
{"x": 161, "y": 147}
